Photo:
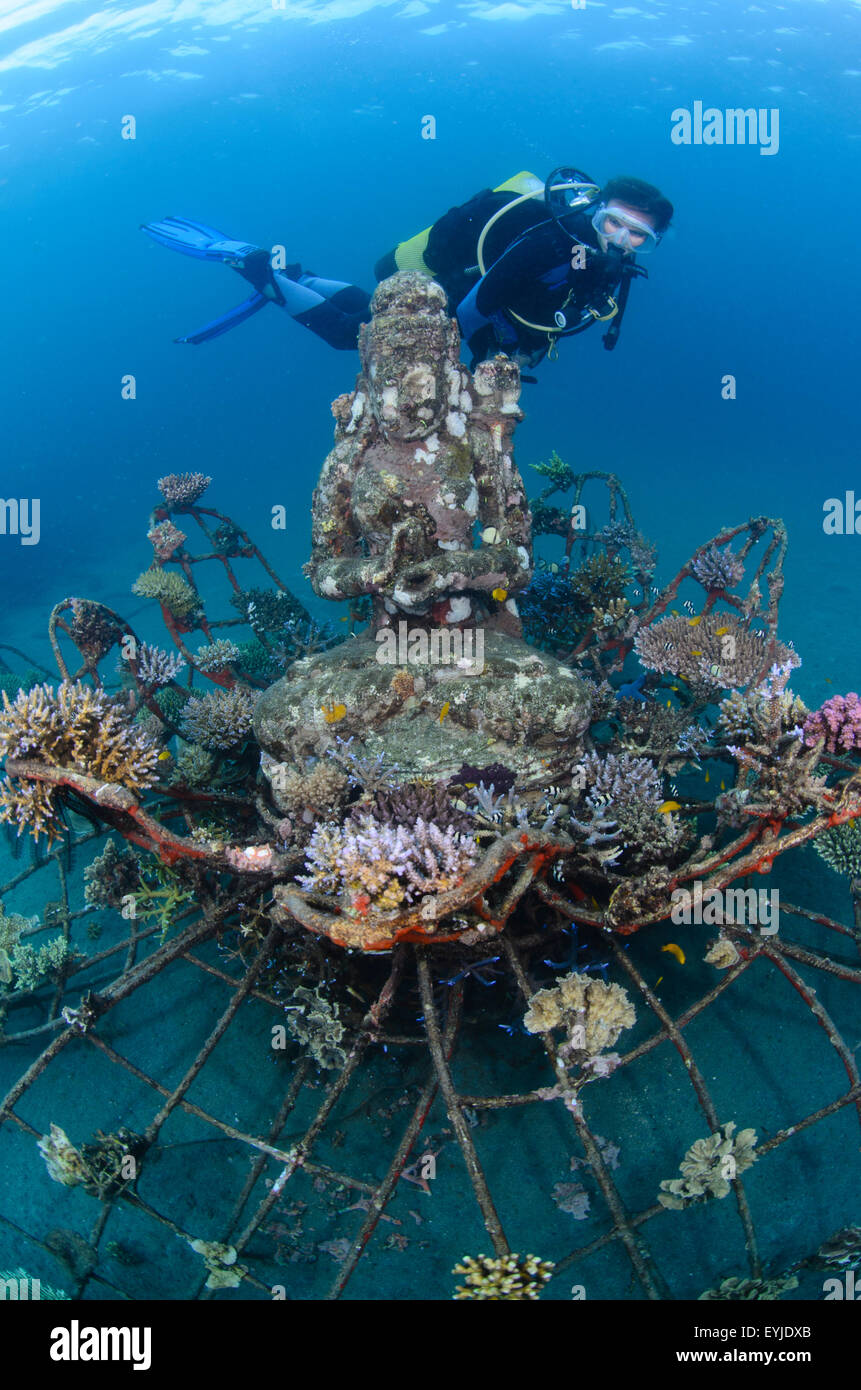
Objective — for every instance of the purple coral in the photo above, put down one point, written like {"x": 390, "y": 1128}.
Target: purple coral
{"x": 839, "y": 720}
{"x": 717, "y": 569}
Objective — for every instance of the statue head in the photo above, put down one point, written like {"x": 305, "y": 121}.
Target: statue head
{"x": 408, "y": 352}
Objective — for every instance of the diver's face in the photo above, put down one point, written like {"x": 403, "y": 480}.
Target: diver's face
{"x": 617, "y": 232}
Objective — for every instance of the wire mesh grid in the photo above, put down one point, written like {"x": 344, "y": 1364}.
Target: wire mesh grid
{"x": 222, "y": 1158}
{"x": 502, "y": 1148}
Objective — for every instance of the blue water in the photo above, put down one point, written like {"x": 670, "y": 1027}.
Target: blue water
{"x": 303, "y": 126}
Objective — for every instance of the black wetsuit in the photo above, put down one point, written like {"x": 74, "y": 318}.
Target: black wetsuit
{"x": 532, "y": 271}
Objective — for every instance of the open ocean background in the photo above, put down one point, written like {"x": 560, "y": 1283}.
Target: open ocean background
{"x": 302, "y": 126}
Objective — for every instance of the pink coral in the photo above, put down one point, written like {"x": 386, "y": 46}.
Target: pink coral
{"x": 839, "y": 720}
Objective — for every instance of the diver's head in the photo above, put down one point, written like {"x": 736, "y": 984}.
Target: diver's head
{"x": 632, "y": 216}
{"x": 407, "y": 353}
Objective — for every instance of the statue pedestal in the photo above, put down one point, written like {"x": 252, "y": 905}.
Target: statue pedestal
{"x": 524, "y": 710}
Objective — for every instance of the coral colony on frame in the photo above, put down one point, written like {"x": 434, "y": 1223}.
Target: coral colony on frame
{"x": 387, "y": 840}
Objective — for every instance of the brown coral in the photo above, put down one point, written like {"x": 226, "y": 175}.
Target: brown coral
{"x": 719, "y": 650}
{"x": 594, "y": 1013}
{"x": 183, "y": 489}
{"x": 79, "y": 728}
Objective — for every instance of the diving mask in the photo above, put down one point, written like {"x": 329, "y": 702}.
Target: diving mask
{"x": 618, "y": 227}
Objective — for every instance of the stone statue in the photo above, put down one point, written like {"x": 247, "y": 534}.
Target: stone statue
{"x": 420, "y": 506}
{"x": 420, "y": 503}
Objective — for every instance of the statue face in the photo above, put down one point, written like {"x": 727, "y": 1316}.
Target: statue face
{"x": 408, "y": 403}
{"x": 407, "y": 351}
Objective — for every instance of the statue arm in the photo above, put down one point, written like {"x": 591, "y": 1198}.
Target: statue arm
{"x": 340, "y": 567}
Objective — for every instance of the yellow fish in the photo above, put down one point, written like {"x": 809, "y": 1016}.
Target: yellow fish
{"x": 444, "y": 711}
{"x": 708, "y": 779}
{"x": 667, "y": 806}
{"x": 721, "y": 632}
{"x": 852, "y": 823}
{"x": 675, "y": 612}
{"x": 723, "y": 786}
{"x": 675, "y": 950}
{"x": 333, "y": 713}
{"x": 163, "y": 756}
{"x": 499, "y": 594}
{"x": 696, "y": 653}
{"x": 669, "y": 704}
{"x": 694, "y": 622}
{"x": 658, "y": 981}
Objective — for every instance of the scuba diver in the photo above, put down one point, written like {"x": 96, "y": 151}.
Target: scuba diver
{"x": 522, "y": 265}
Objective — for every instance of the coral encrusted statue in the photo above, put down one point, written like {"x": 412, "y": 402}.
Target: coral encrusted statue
{"x": 420, "y": 503}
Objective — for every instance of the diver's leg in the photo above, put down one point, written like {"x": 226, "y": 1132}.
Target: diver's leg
{"x": 332, "y": 309}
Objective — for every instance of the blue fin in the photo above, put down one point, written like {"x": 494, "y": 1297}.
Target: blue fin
{"x": 198, "y": 240}
{"x": 228, "y": 320}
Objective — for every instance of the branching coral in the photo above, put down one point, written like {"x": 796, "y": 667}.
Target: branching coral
{"x": 162, "y": 894}
{"x": 840, "y": 847}
{"x": 31, "y": 966}
{"x": 611, "y": 618}
{"x": 370, "y": 865}
{"x": 408, "y": 803}
{"x": 31, "y": 806}
{"x": 156, "y": 667}
{"x": 165, "y": 539}
{"x": 717, "y": 569}
{"x": 627, "y": 792}
{"x": 183, "y": 489}
{"x": 717, "y": 649}
{"x": 709, "y": 1166}
{"x": 80, "y": 729}
{"x": 644, "y": 557}
{"x": 216, "y": 655}
{"x": 622, "y": 778}
{"x": 308, "y": 794}
{"x": 777, "y": 770}
{"x": 838, "y": 721}
{"x": 169, "y": 589}
{"x": 599, "y": 580}
{"x": 268, "y": 610}
{"x": 512, "y": 1277}
{"x": 764, "y": 713}
{"x": 220, "y": 720}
